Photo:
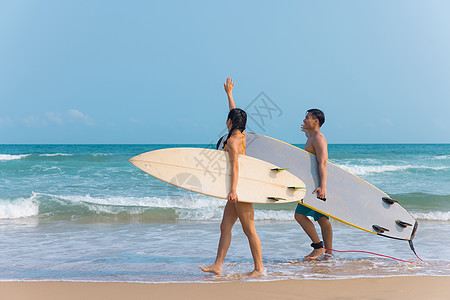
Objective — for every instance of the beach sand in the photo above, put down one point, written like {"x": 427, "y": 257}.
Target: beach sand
{"x": 362, "y": 288}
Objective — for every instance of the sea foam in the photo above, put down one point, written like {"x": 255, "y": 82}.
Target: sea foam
{"x": 188, "y": 201}
{"x": 55, "y": 154}
{"x": 440, "y": 157}
{"x": 19, "y": 208}
{"x": 433, "y": 215}
{"x": 7, "y": 157}
{"x": 191, "y": 207}
{"x": 365, "y": 170}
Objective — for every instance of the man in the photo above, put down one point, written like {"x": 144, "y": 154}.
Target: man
{"x": 316, "y": 144}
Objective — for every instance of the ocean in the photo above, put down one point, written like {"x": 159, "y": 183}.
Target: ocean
{"x": 84, "y": 213}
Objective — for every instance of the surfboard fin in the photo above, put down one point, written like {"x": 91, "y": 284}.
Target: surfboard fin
{"x": 275, "y": 198}
{"x": 389, "y": 201}
{"x": 279, "y": 169}
{"x": 297, "y": 187}
{"x": 402, "y": 224}
{"x": 379, "y": 229}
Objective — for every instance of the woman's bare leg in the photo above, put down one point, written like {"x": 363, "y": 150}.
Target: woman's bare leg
{"x": 229, "y": 218}
{"x": 247, "y": 217}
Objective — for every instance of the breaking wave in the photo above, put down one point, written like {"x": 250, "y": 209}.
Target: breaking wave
{"x": 191, "y": 207}
{"x": 366, "y": 170}
{"x": 55, "y": 154}
{"x": 7, "y": 157}
{"x": 19, "y": 208}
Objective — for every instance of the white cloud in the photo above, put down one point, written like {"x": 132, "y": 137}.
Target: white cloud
{"x": 135, "y": 121}
{"x": 35, "y": 122}
{"x": 440, "y": 124}
{"x": 387, "y": 122}
{"x": 47, "y": 119}
{"x": 54, "y": 117}
{"x": 78, "y": 115}
{"x": 5, "y": 122}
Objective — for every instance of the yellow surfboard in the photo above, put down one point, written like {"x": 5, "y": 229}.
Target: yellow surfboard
{"x": 350, "y": 199}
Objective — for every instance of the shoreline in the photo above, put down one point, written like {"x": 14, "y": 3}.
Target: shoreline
{"x": 403, "y": 287}
{"x": 237, "y": 279}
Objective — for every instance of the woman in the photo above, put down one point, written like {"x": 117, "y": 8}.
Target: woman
{"x": 235, "y": 144}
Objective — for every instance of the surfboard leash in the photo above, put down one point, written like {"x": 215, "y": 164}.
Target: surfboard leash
{"x": 373, "y": 253}
{"x": 414, "y": 250}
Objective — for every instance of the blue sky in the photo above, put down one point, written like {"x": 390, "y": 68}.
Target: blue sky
{"x": 153, "y": 71}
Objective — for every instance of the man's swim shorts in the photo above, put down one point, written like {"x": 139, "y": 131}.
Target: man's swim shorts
{"x": 306, "y": 211}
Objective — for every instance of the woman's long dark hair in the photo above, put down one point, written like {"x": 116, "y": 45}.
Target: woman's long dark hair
{"x": 238, "y": 119}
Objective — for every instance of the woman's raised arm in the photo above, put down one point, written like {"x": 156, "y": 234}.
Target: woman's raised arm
{"x": 229, "y": 90}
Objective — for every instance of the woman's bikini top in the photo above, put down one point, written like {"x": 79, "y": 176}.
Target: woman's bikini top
{"x": 243, "y": 139}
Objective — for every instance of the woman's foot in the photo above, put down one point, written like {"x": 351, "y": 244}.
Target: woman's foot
{"x": 216, "y": 269}
{"x": 257, "y": 273}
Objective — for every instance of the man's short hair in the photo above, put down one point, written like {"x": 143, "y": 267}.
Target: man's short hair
{"x": 317, "y": 114}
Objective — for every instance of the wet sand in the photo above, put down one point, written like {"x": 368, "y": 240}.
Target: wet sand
{"x": 418, "y": 287}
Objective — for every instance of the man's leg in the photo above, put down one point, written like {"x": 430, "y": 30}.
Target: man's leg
{"x": 327, "y": 233}
{"x": 310, "y": 230}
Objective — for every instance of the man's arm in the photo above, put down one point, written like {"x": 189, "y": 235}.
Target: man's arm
{"x": 229, "y": 89}
{"x": 320, "y": 146}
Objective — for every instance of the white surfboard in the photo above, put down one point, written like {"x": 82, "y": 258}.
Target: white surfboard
{"x": 349, "y": 198}
{"x": 208, "y": 172}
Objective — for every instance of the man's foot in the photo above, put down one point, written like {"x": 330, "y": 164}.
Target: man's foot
{"x": 212, "y": 269}
{"x": 257, "y": 273}
{"x": 327, "y": 256}
{"x": 315, "y": 253}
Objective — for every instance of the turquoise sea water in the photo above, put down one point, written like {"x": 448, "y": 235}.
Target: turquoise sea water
{"x": 83, "y": 212}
